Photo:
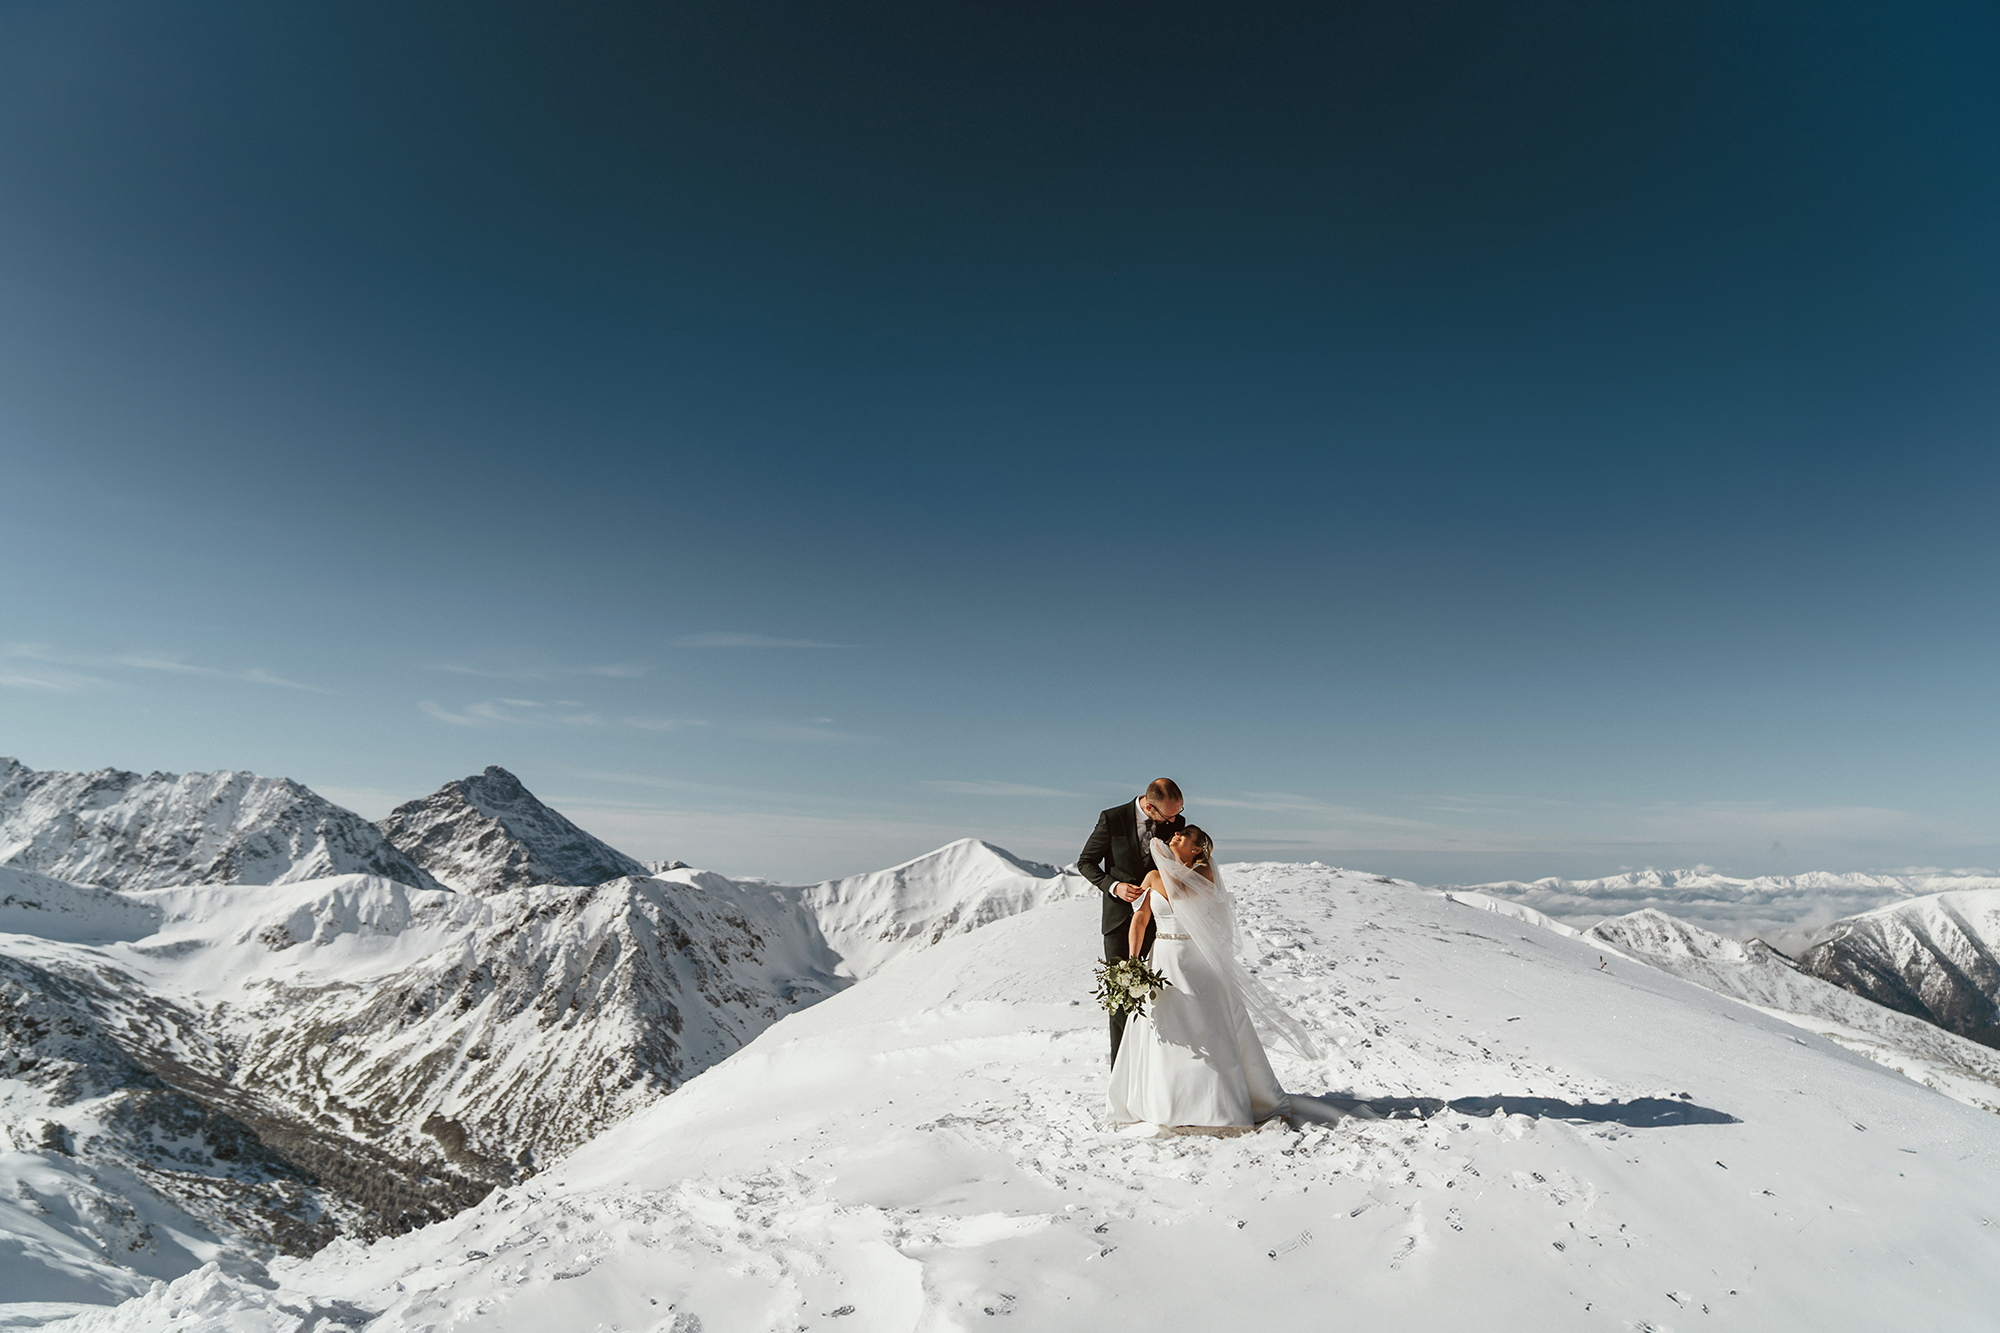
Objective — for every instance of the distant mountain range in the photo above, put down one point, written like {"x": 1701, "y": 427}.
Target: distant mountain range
{"x": 1788, "y": 910}
{"x": 236, "y": 1018}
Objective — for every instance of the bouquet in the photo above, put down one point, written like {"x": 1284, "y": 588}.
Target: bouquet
{"x": 1128, "y": 985}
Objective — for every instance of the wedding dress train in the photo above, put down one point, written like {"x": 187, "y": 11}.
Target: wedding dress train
{"x": 1193, "y": 1060}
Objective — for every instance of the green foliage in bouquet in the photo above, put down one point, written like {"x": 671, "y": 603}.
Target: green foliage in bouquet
{"x": 1128, "y": 985}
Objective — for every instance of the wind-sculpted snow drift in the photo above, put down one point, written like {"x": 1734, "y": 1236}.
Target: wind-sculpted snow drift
{"x": 922, "y": 1151}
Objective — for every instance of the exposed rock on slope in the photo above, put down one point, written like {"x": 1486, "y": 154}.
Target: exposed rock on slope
{"x": 1933, "y": 958}
{"x": 483, "y": 1033}
{"x": 280, "y": 1064}
{"x": 1757, "y": 974}
{"x": 109, "y": 1176}
{"x": 488, "y": 832}
{"x": 124, "y": 831}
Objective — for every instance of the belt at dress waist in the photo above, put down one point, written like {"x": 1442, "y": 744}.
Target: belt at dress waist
{"x": 1163, "y": 935}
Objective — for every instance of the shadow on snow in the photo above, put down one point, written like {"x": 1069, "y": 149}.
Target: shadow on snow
{"x": 1639, "y": 1113}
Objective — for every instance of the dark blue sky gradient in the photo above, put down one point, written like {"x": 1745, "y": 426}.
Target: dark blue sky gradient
{"x": 1561, "y": 438}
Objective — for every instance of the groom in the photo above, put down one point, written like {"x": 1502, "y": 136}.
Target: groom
{"x": 1116, "y": 860}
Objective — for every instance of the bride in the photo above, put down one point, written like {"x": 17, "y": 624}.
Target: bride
{"x": 1193, "y": 1060}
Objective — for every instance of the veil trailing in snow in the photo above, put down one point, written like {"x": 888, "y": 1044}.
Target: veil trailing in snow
{"x": 1207, "y": 912}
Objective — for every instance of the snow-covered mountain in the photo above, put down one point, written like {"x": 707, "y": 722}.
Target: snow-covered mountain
{"x": 110, "y": 1177}
{"x": 53, "y": 909}
{"x": 869, "y": 919}
{"x": 1786, "y": 909}
{"x": 1754, "y": 972}
{"x": 876, "y": 1098}
{"x": 1937, "y": 958}
{"x": 1605, "y": 1148}
{"x": 391, "y": 1053}
{"x": 487, "y": 832}
{"x": 123, "y": 831}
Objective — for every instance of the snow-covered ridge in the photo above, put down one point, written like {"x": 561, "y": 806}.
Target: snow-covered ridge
{"x": 1786, "y": 909}
{"x": 119, "y": 830}
{"x": 869, "y": 919}
{"x": 1936, "y": 958}
{"x": 53, "y": 909}
{"x": 1752, "y": 971}
{"x": 1505, "y": 907}
{"x": 488, "y": 832}
{"x": 921, "y": 1151}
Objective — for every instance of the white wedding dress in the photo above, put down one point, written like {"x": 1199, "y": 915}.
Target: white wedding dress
{"x": 1193, "y": 1059}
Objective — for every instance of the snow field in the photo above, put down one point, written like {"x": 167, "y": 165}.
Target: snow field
{"x": 922, "y": 1151}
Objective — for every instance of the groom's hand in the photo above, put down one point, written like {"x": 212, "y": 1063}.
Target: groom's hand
{"x": 1129, "y": 892}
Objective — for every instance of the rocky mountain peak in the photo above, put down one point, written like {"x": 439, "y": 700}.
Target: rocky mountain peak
{"x": 488, "y": 832}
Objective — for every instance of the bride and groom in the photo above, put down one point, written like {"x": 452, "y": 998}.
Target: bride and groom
{"x": 1192, "y": 1060}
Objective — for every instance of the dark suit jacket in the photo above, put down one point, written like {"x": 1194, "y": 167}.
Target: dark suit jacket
{"x": 1113, "y": 856}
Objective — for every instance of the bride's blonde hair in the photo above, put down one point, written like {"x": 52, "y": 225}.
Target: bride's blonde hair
{"x": 1204, "y": 848}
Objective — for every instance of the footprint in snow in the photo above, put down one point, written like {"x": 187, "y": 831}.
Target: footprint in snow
{"x": 1286, "y": 1247}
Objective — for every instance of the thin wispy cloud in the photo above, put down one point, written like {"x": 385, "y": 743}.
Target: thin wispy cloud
{"x": 663, "y": 723}
{"x": 723, "y": 639}
{"x": 483, "y": 674}
{"x": 817, "y": 730}
{"x": 616, "y": 670}
{"x": 513, "y": 712}
{"x": 51, "y": 680}
{"x": 994, "y": 789}
{"x": 42, "y": 654}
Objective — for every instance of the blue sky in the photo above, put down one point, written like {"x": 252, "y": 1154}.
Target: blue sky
{"x": 1455, "y": 443}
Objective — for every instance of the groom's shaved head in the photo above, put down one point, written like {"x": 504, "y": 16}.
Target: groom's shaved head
{"x": 1164, "y": 791}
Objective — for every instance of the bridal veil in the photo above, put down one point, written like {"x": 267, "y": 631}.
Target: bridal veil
{"x": 1207, "y": 912}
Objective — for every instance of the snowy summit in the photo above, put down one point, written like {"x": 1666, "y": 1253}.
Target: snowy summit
{"x": 1545, "y": 1136}
{"x": 674, "y": 1101}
